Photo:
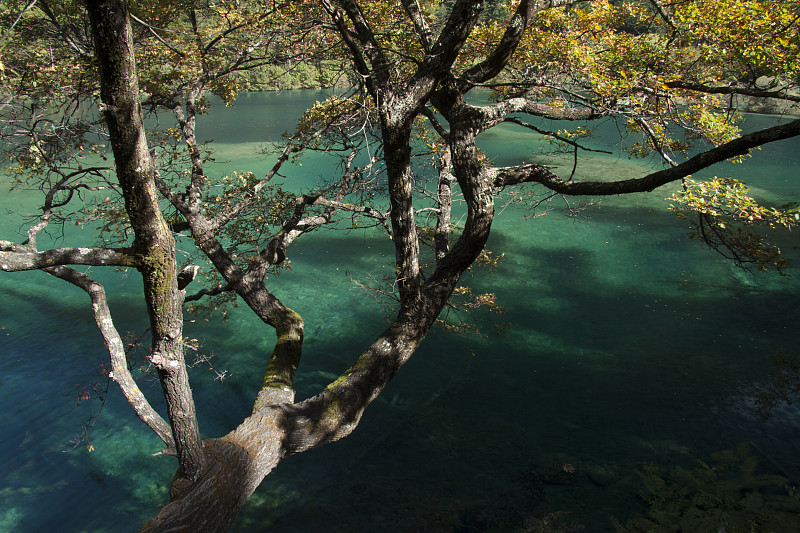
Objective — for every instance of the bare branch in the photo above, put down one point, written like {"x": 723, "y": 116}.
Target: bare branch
{"x": 291, "y": 147}
{"x": 503, "y": 177}
{"x": 16, "y": 20}
{"x": 16, "y": 257}
{"x": 421, "y": 26}
{"x": 219, "y": 289}
{"x": 554, "y": 135}
{"x": 781, "y": 93}
{"x": 119, "y": 364}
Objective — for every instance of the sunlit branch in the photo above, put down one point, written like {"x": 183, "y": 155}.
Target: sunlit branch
{"x": 152, "y": 29}
{"x": 421, "y": 26}
{"x": 496, "y": 113}
{"x": 35, "y": 229}
{"x": 282, "y": 364}
{"x": 664, "y": 14}
{"x": 657, "y": 145}
{"x": 16, "y": 257}
{"x": 445, "y": 201}
{"x": 275, "y": 251}
{"x": 16, "y": 20}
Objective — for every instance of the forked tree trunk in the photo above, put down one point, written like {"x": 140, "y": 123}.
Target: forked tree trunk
{"x": 217, "y": 476}
{"x": 237, "y": 463}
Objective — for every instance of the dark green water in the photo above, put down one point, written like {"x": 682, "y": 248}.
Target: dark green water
{"x": 630, "y": 344}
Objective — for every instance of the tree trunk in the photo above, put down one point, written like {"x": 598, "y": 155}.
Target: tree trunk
{"x": 153, "y": 241}
{"x": 237, "y": 463}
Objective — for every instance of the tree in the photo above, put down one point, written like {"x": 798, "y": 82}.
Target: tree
{"x": 673, "y": 75}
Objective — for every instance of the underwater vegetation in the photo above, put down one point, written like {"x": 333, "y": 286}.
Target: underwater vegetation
{"x": 726, "y": 496}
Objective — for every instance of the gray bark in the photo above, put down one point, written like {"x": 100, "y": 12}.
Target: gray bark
{"x": 153, "y": 241}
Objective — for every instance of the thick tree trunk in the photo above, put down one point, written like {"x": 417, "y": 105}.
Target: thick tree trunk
{"x": 237, "y": 463}
{"x": 396, "y": 129}
{"x": 153, "y": 240}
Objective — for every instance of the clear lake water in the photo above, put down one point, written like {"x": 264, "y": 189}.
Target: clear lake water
{"x": 629, "y": 344}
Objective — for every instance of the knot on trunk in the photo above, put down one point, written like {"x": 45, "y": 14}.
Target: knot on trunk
{"x": 181, "y": 486}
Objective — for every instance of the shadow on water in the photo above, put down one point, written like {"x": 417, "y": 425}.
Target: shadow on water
{"x": 629, "y": 345}
{"x": 591, "y": 376}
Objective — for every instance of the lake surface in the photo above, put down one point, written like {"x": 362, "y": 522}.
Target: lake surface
{"x": 630, "y": 345}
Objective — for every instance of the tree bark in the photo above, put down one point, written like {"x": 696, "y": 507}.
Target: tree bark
{"x": 153, "y": 241}
{"x": 237, "y": 463}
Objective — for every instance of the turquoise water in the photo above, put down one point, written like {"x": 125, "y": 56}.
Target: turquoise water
{"x": 629, "y": 344}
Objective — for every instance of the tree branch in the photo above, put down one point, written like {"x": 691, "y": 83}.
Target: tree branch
{"x": 67, "y": 35}
{"x": 554, "y": 135}
{"x": 135, "y": 171}
{"x": 275, "y": 252}
{"x": 664, "y": 14}
{"x": 503, "y": 177}
{"x": 497, "y": 60}
{"x": 781, "y": 94}
{"x": 219, "y": 289}
{"x": 119, "y": 364}
{"x": 444, "y": 52}
{"x": 16, "y": 257}
{"x": 16, "y": 20}
{"x": 363, "y": 47}
{"x": 421, "y": 26}
{"x": 445, "y": 200}
{"x": 495, "y": 113}
{"x": 335, "y": 412}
